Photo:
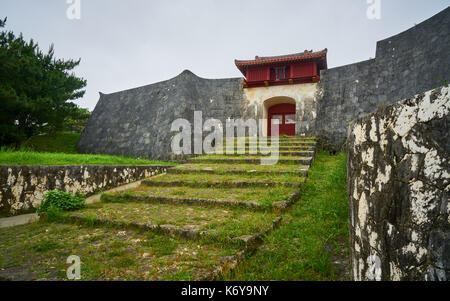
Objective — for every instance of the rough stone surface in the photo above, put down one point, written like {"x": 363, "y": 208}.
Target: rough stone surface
{"x": 22, "y": 187}
{"x": 137, "y": 122}
{"x": 398, "y": 189}
{"x": 406, "y": 64}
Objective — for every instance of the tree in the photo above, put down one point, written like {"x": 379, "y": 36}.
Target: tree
{"x": 77, "y": 120}
{"x": 36, "y": 89}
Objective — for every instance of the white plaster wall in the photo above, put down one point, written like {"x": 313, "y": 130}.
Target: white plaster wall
{"x": 304, "y": 96}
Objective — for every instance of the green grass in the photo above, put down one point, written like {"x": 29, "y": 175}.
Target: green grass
{"x": 26, "y": 157}
{"x": 223, "y": 224}
{"x": 39, "y": 251}
{"x": 59, "y": 149}
{"x": 316, "y": 233}
{"x": 312, "y": 237}
{"x": 223, "y": 168}
{"x": 228, "y": 178}
{"x": 261, "y": 195}
{"x": 53, "y": 143}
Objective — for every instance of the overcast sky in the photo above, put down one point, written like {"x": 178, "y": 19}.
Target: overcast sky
{"x": 129, "y": 43}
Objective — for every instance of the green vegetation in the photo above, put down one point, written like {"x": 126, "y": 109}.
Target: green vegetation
{"x": 39, "y": 251}
{"x": 60, "y": 200}
{"x": 443, "y": 81}
{"x": 249, "y": 159}
{"x": 316, "y": 233}
{"x": 10, "y": 157}
{"x": 220, "y": 224}
{"x": 59, "y": 149}
{"x": 220, "y": 168}
{"x": 261, "y": 195}
{"x": 185, "y": 224}
{"x": 76, "y": 120}
{"x": 36, "y": 90}
{"x": 53, "y": 143}
{"x": 228, "y": 178}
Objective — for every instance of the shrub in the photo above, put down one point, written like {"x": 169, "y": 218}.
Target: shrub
{"x": 56, "y": 200}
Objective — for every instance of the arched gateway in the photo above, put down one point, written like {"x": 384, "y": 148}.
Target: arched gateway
{"x": 284, "y": 87}
{"x": 283, "y": 115}
{"x": 280, "y": 110}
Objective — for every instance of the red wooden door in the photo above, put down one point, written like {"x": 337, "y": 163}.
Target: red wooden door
{"x": 284, "y": 115}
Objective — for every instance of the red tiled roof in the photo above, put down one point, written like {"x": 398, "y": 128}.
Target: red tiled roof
{"x": 307, "y": 55}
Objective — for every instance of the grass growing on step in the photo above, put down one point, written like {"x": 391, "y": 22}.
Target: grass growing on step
{"x": 222, "y": 223}
{"x": 269, "y": 139}
{"x": 246, "y": 156}
{"x": 10, "y": 157}
{"x": 208, "y": 178}
{"x": 221, "y": 168}
{"x": 262, "y": 195}
{"x": 40, "y": 250}
{"x": 317, "y": 231}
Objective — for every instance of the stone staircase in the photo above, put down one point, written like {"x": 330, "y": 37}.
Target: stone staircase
{"x": 225, "y": 204}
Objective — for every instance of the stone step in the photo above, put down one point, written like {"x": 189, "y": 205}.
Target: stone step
{"x": 224, "y": 184}
{"x": 288, "y": 148}
{"x": 150, "y": 199}
{"x": 283, "y": 143}
{"x": 154, "y": 256}
{"x": 254, "y": 140}
{"x": 261, "y": 195}
{"x": 188, "y": 222}
{"x": 238, "y": 172}
{"x": 239, "y": 169}
{"x": 281, "y": 153}
{"x": 280, "y": 147}
{"x": 267, "y": 180}
{"x": 228, "y": 180}
{"x": 251, "y": 160}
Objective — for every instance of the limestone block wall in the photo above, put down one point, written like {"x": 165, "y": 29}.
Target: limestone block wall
{"x": 22, "y": 187}
{"x": 137, "y": 122}
{"x": 409, "y": 63}
{"x": 398, "y": 190}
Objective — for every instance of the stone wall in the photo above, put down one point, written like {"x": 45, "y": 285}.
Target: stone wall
{"x": 137, "y": 122}
{"x": 398, "y": 189}
{"x": 22, "y": 187}
{"x": 406, "y": 64}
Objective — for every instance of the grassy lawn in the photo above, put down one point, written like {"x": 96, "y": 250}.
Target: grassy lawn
{"x": 315, "y": 236}
{"x": 53, "y": 143}
{"x": 8, "y": 157}
{"x": 59, "y": 149}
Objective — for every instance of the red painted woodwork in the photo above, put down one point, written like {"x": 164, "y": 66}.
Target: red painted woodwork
{"x": 298, "y": 68}
{"x": 257, "y": 74}
{"x": 304, "y": 70}
{"x": 285, "y": 114}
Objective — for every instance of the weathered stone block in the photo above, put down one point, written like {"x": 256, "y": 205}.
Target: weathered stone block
{"x": 22, "y": 187}
{"x": 398, "y": 188}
